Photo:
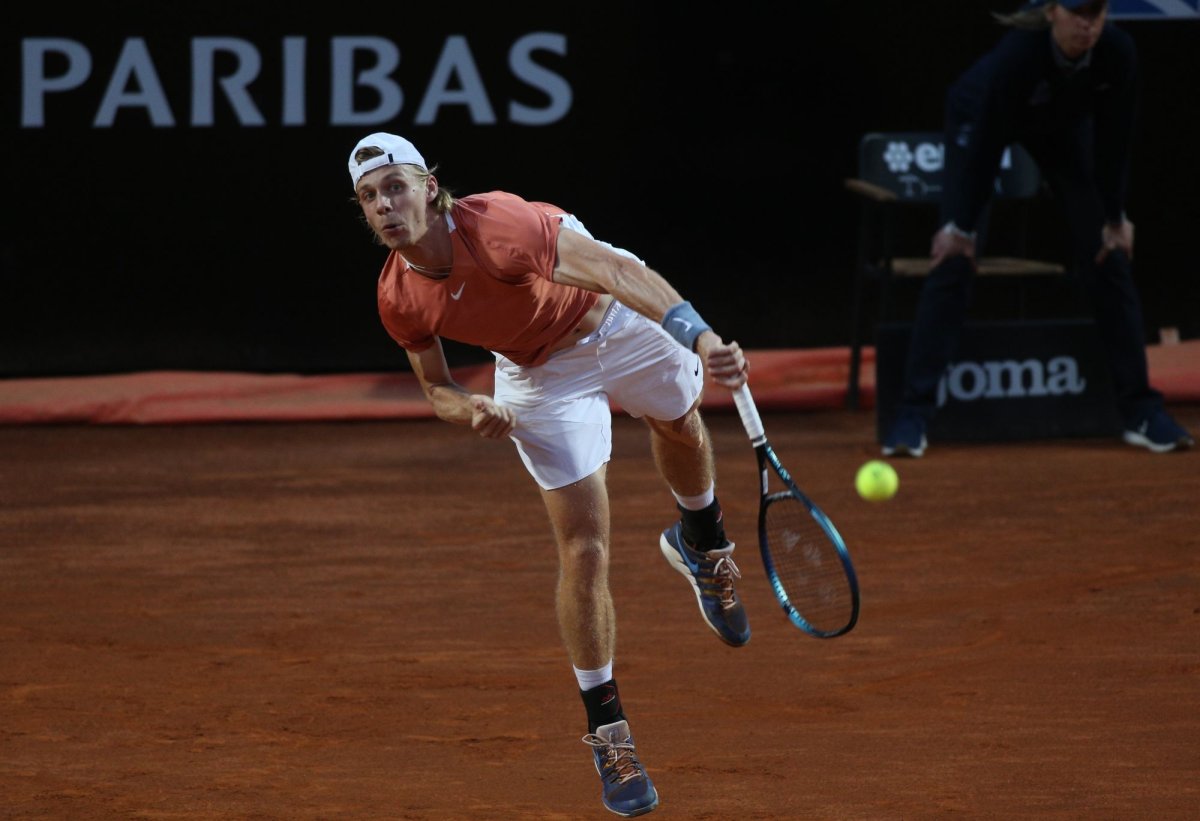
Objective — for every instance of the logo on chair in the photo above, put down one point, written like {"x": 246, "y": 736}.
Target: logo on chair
{"x": 915, "y": 165}
{"x": 898, "y": 157}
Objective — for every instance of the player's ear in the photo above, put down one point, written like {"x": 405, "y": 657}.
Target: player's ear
{"x": 431, "y": 188}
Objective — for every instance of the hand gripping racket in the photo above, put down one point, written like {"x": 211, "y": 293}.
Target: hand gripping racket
{"x": 804, "y": 556}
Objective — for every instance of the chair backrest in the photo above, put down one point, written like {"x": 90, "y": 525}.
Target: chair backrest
{"x": 910, "y": 165}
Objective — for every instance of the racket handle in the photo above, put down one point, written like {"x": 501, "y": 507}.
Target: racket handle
{"x": 749, "y": 413}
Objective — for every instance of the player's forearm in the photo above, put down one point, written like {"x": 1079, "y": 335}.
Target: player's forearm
{"x": 644, "y": 290}
{"x": 451, "y": 402}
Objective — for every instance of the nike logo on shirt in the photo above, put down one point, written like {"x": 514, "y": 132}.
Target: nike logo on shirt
{"x": 456, "y": 294}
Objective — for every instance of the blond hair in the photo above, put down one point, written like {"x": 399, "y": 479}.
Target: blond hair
{"x": 444, "y": 198}
{"x": 1023, "y": 18}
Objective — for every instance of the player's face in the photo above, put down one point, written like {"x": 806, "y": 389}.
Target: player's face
{"x": 1079, "y": 30}
{"x": 395, "y": 201}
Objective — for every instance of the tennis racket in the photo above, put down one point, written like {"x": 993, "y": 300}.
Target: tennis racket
{"x": 804, "y": 556}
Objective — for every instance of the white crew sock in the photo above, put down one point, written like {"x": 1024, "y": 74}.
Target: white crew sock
{"x": 593, "y": 678}
{"x": 696, "y": 502}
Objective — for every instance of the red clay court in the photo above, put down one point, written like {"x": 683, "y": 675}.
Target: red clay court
{"x": 309, "y": 619}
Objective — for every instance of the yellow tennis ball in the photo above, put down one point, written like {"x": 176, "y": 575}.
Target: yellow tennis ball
{"x": 876, "y": 481}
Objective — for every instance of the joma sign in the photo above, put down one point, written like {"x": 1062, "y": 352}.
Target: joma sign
{"x": 1010, "y": 379}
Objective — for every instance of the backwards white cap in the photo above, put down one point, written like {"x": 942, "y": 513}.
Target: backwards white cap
{"x": 396, "y": 151}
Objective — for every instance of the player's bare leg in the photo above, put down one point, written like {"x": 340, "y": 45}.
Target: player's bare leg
{"x": 683, "y": 452}
{"x": 579, "y": 517}
{"x": 696, "y": 546}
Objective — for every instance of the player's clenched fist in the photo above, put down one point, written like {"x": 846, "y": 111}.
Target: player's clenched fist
{"x": 726, "y": 364}
{"x": 489, "y": 420}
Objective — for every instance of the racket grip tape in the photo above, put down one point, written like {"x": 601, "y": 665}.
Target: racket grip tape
{"x": 751, "y": 421}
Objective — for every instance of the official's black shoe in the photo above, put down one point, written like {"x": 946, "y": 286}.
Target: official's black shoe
{"x": 906, "y": 437}
{"x": 1160, "y": 433}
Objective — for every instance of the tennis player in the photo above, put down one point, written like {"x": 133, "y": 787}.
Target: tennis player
{"x": 571, "y": 321}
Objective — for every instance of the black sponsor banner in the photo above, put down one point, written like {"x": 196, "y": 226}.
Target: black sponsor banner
{"x": 1009, "y": 380}
{"x": 177, "y": 194}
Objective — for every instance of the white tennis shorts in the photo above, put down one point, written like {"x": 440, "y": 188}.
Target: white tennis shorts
{"x": 564, "y": 420}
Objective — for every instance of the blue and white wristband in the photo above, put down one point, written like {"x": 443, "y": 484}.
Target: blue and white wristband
{"x": 684, "y": 324}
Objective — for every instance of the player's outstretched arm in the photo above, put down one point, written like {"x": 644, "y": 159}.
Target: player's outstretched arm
{"x": 587, "y": 264}
{"x": 453, "y": 403}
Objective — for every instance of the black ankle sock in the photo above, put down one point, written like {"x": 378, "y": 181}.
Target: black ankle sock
{"x": 703, "y": 529}
{"x": 603, "y": 705}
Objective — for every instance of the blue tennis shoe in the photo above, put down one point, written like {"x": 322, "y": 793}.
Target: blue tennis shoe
{"x": 712, "y": 575}
{"x": 625, "y": 787}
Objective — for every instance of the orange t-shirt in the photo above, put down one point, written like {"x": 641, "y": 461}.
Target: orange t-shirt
{"x": 500, "y": 293}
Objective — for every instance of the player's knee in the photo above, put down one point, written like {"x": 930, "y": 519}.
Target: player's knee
{"x": 583, "y": 557}
{"x": 687, "y": 430}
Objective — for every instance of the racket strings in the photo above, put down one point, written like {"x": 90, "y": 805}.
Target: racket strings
{"x": 807, "y": 565}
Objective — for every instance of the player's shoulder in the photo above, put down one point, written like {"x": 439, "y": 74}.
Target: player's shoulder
{"x": 485, "y": 199}
{"x": 481, "y": 210}
{"x": 482, "y": 203}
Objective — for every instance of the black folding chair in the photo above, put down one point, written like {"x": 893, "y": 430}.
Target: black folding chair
{"x": 899, "y": 178}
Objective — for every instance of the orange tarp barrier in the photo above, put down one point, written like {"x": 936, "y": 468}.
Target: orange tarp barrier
{"x": 782, "y": 379}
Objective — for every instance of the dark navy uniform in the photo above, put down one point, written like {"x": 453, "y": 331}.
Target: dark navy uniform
{"x": 1076, "y": 118}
